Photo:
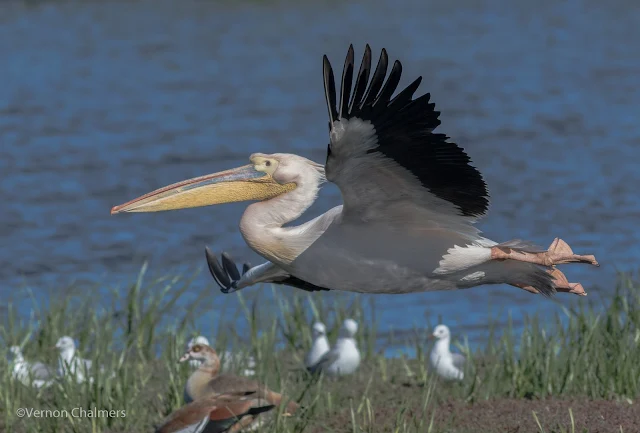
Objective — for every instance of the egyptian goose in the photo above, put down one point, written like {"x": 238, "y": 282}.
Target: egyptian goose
{"x": 206, "y": 382}
{"x": 229, "y": 359}
{"x": 230, "y": 412}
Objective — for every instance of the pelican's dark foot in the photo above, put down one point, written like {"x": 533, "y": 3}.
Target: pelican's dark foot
{"x": 558, "y": 253}
{"x": 226, "y": 273}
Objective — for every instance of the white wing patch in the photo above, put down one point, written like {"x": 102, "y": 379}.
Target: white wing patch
{"x": 461, "y": 258}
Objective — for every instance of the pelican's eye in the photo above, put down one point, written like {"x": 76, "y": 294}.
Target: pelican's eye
{"x": 266, "y": 165}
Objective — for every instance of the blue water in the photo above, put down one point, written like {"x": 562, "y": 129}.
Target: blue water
{"x": 101, "y": 102}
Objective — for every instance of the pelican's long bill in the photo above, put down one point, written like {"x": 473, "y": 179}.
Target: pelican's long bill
{"x": 238, "y": 184}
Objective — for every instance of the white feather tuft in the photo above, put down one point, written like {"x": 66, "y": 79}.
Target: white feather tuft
{"x": 461, "y": 258}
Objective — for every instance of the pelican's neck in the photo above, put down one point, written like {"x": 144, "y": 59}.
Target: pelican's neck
{"x": 282, "y": 209}
{"x": 261, "y": 224}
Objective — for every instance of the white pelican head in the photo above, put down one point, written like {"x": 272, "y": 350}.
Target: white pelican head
{"x": 267, "y": 176}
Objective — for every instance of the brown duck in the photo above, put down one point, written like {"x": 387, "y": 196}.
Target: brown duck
{"x": 232, "y": 413}
{"x": 209, "y": 394}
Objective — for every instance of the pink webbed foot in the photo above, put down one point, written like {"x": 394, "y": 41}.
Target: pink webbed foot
{"x": 561, "y": 284}
{"x": 558, "y": 253}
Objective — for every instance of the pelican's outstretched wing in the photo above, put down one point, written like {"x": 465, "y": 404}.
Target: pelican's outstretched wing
{"x": 229, "y": 279}
{"x": 384, "y": 156}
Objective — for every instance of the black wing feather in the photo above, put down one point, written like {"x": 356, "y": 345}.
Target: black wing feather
{"x": 390, "y": 86}
{"x": 403, "y": 98}
{"x": 362, "y": 80}
{"x": 404, "y": 128}
{"x": 345, "y": 87}
{"x": 376, "y": 81}
{"x": 330, "y": 90}
{"x": 301, "y": 284}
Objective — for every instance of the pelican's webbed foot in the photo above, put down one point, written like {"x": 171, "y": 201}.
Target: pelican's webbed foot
{"x": 226, "y": 273}
{"x": 560, "y": 283}
{"x": 558, "y": 253}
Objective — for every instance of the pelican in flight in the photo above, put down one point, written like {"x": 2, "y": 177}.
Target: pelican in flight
{"x": 410, "y": 201}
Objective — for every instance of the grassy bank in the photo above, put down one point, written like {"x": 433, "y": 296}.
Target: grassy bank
{"x": 580, "y": 372}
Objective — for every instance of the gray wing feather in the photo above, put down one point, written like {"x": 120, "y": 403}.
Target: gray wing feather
{"x": 42, "y": 371}
{"x": 458, "y": 360}
{"x": 323, "y": 362}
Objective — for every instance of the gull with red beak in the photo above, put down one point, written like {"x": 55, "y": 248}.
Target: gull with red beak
{"x": 410, "y": 201}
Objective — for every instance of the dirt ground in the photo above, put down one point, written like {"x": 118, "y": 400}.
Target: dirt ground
{"x": 510, "y": 415}
{"x": 507, "y": 416}
{"x": 403, "y": 401}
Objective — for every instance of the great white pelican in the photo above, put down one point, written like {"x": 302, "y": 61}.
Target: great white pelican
{"x": 410, "y": 201}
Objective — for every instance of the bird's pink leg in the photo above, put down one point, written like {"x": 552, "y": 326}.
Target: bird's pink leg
{"x": 558, "y": 253}
{"x": 561, "y": 284}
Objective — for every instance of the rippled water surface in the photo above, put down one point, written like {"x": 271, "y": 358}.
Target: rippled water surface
{"x": 101, "y": 102}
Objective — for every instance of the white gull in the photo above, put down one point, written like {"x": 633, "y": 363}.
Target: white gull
{"x": 35, "y": 374}
{"x": 71, "y": 365}
{"x": 344, "y": 356}
{"x": 319, "y": 345}
{"x": 447, "y": 365}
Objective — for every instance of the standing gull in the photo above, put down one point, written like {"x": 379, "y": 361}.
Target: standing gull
{"x": 344, "y": 356}
{"x": 448, "y": 365}
{"x": 410, "y": 201}
{"x": 319, "y": 345}
{"x": 35, "y": 374}
{"x": 71, "y": 365}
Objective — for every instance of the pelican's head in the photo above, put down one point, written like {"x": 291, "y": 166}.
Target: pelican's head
{"x": 440, "y": 332}
{"x": 266, "y": 177}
